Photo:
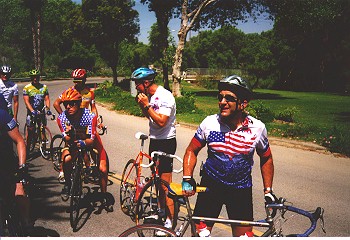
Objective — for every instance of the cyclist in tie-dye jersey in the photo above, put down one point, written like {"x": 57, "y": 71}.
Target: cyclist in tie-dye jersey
{"x": 232, "y": 137}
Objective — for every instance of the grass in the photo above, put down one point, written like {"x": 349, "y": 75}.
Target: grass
{"x": 321, "y": 118}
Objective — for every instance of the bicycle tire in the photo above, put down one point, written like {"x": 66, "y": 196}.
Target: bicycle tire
{"x": 128, "y": 188}
{"x": 147, "y": 202}
{"x": 56, "y": 146}
{"x": 45, "y": 143}
{"x": 75, "y": 196}
{"x": 147, "y": 230}
{"x": 33, "y": 141}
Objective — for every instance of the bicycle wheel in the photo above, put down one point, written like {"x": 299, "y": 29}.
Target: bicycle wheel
{"x": 56, "y": 146}
{"x": 149, "y": 201}
{"x": 33, "y": 140}
{"x": 128, "y": 188}
{"x": 75, "y": 196}
{"x": 45, "y": 143}
{"x": 148, "y": 230}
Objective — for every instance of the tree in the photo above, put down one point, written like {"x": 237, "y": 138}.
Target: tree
{"x": 317, "y": 33}
{"x": 199, "y": 13}
{"x": 164, "y": 10}
{"x": 35, "y": 7}
{"x": 105, "y": 24}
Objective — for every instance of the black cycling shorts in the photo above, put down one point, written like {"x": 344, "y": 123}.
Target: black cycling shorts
{"x": 239, "y": 202}
{"x": 164, "y": 145}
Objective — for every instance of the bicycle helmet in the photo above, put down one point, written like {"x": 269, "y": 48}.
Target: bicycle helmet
{"x": 34, "y": 73}
{"x": 71, "y": 94}
{"x": 79, "y": 74}
{"x": 143, "y": 73}
{"x": 5, "y": 69}
{"x": 237, "y": 85}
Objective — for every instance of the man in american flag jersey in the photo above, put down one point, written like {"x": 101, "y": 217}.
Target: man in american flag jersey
{"x": 84, "y": 122}
{"x": 232, "y": 137}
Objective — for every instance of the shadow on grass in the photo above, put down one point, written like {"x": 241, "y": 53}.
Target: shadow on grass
{"x": 343, "y": 116}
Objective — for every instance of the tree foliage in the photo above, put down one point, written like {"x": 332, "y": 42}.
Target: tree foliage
{"x": 107, "y": 23}
{"x": 317, "y": 33}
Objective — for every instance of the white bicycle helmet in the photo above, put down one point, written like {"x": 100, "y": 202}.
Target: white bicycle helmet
{"x": 6, "y": 69}
{"x": 237, "y": 85}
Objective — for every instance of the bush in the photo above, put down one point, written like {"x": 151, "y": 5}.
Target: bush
{"x": 186, "y": 104}
{"x": 337, "y": 140}
{"x": 287, "y": 115}
{"x": 259, "y": 110}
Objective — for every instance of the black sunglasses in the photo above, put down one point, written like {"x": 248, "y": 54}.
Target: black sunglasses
{"x": 229, "y": 98}
{"x": 70, "y": 103}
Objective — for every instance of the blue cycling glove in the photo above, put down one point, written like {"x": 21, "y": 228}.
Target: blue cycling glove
{"x": 35, "y": 112}
{"x": 188, "y": 184}
{"x": 48, "y": 112}
{"x": 82, "y": 143}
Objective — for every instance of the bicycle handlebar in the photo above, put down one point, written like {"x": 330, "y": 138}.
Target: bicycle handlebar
{"x": 312, "y": 216}
{"x": 159, "y": 153}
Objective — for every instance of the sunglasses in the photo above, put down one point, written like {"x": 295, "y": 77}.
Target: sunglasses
{"x": 71, "y": 103}
{"x": 229, "y": 98}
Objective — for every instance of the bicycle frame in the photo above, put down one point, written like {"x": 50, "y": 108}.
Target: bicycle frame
{"x": 268, "y": 222}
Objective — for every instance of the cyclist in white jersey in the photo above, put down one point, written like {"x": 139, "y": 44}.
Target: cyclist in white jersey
{"x": 232, "y": 136}
{"x": 158, "y": 105}
{"x": 9, "y": 90}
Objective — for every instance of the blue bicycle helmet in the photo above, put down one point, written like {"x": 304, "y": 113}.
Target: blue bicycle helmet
{"x": 143, "y": 73}
{"x": 237, "y": 85}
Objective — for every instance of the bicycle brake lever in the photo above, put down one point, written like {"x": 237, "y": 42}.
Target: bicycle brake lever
{"x": 322, "y": 220}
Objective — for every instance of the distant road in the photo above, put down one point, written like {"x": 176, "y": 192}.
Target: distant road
{"x": 306, "y": 178}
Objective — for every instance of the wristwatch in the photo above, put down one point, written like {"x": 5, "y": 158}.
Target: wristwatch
{"x": 148, "y": 107}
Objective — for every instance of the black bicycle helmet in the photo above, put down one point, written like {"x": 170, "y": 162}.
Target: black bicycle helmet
{"x": 237, "y": 85}
{"x": 143, "y": 73}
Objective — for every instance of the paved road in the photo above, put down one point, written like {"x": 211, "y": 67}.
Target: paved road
{"x": 306, "y": 178}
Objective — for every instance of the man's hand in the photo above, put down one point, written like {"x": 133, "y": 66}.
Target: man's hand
{"x": 270, "y": 198}
{"x": 142, "y": 100}
{"x": 35, "y": 112}
{"x": 188, "y": 186}
{"x": 81, "y": 143}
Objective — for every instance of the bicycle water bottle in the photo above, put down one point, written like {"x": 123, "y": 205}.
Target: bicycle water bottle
{"x": 203, "y": 230}
{"x": 248, "y": 234}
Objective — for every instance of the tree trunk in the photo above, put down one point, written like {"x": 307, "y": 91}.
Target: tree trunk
{"x": 34, "y": 34}
{"x": 39, "y": 62}
{"x": 177, "y": 76}
{"x": 115, "y": 75}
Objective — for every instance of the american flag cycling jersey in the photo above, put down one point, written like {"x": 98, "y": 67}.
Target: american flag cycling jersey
{"x": 85, "y": 128}
{"x": 230, "y": 153}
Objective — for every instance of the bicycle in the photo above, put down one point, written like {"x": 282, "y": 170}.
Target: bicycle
{"x": 10, "y": 220}
{"x": 78, "y": 176}
{"x": 58, "y": 143}
{"x": 133, "y": 183}
{"x": 41, "y": 134}
{"x": 275, "y": 217}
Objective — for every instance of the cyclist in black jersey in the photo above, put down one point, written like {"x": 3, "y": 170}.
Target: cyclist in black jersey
{"x": 10, "y": 188}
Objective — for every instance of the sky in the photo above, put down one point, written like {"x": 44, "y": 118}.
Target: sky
{"x": 147, "y": 19}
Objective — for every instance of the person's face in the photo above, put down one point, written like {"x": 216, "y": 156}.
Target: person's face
{"x": 72, "y": 107}
{"x": 79, "y": 83}
{"x": 140, "y": 86}
{"x": 228, "y": 103}
{"x": 35, "y": 79}
{"x": 4, "y": 76}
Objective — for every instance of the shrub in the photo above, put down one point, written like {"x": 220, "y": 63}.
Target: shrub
{"x": 337, "y": 140}
{"x": 287, "y": 115}
{"x": 260, "y": 111}
{"x": 186, "y": 104}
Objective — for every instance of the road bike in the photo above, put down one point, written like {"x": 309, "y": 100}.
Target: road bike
{"x": 41, "y": 134}
{"x": 58, "y": 143}
{"x": 139, "y": 190}
{"x": 10, "y": 220}
{"x": 277, "y": 214}
{"x": 77, "y": 178}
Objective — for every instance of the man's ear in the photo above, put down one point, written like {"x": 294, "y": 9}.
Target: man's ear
{"x": 244, "y": 104}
